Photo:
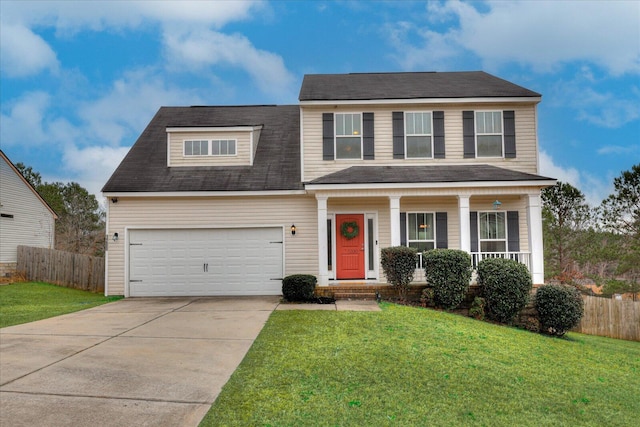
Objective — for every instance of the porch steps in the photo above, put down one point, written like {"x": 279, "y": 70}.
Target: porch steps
{"x": 358, "y": 295}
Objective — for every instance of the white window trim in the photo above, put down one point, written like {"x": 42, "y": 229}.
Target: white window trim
{"x": 210, "y": 143}
{"x": 406, "y": 134}
{"x": 476, "y": 134}
{"x": 506, "y": 233}
{"x": 434, "y": 228}
{"x": 335, "y": 136}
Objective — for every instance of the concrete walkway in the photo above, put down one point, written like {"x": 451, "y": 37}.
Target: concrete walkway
{"x": 137, "y": 361}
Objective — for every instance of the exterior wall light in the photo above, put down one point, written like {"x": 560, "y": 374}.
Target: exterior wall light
{"x": 293, "y": 229}
{"x": 114, "y": 200}
{"x": 496, "y": 204}
{"x": 115, "y": 237}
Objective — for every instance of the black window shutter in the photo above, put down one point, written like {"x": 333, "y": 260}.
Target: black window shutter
{"x": 367, "y": 136}
{"x": 513, "y": 231}
{"x": 469, "y": 134}
{"x": 509, "y": 119}
{"x": 403, "y": 228}
{"x": 398, "y": 135}
{"x": 438, "y": 135}
{"x": 473, "y": 222}
{"x": 442, "y": 241}
{"x": 327, "y": 136}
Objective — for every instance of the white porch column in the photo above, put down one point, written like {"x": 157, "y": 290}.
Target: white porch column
{"x": 394, "y": 211}
{"x": 534, "y": 217}
{"x": 323, "y": 269}
{"x": 465, "y": 229}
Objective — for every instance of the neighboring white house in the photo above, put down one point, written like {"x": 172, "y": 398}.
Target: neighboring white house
{"x": 25, "y": 218}
{"x": 227, "y": 200}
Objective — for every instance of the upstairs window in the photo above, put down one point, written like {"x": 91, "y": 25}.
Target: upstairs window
{"x": 493, "y": 231}
{"x": 421, "y": 232}
{"x": 489, "y": 133}
{"x": 215, "y": 147}
{"x": 223, "y": 147}
{"x": 196, "y": 148}
{"x": 348, "y": 136}
{"x": 418, "y": 135}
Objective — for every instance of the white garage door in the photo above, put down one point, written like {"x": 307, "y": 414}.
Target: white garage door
{"x": 196, "y": 262}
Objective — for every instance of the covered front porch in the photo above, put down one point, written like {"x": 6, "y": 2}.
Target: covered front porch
{"x": 353, "y": 225}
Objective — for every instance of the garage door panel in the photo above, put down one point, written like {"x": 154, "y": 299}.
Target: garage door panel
{"x": 205, "y": 262}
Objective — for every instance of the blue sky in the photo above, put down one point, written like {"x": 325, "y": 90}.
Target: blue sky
{"x": 79, "y": 81}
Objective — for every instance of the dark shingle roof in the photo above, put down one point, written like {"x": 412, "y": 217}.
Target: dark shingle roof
{"x": 424, "y": 174}
{"x": 276, "y": 164}
{"x": 365, "y": 86}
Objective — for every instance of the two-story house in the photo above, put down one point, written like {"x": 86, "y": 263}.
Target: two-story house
{"x": 227, "y": 200}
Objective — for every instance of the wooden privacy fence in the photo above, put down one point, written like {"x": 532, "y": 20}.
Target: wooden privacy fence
{"x": 610, "y": 318}
{"x": 62, "y": 268}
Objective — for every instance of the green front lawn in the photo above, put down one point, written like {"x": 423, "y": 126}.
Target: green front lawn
{"x": 415, "y": 367}
{"x": 26, "y": 302}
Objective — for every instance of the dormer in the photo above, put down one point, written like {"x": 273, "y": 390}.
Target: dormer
{"x": 212, "y": 146}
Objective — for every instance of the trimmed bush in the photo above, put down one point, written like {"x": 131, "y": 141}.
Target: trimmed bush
{"x": 505, "y": 285}
{"x": 560, "y": 308}
{"x": 449, "y": 272}
{"x": 399, "y": 264}
{"x": 299, "y": 287}
{"x": 426, "y": 298}
{"x": 477, "y": 308}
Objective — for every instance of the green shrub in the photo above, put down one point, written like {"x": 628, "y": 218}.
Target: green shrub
{"x": 477, "y": 308}
{"x": 426, "y": 298}
{"x": 299, "y": 287}
{"x": 505, "y": 285}
{"x": 399, "y": 264}
{"x": 448, "y": 271}
{"x": 560, "y": 308}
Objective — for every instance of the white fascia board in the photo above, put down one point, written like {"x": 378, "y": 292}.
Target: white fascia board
{"x": 396, "y": 186}
{"x": 496, "y": 100}
{"x": 205, "y": 193}
{"x": 215, "y": 129}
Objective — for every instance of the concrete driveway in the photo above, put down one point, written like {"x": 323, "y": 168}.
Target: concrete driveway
{"x": 137, "y": 361}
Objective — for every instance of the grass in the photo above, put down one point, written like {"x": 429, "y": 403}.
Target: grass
{"x": 27, "y": 302}
{"x": 414, "y": 367}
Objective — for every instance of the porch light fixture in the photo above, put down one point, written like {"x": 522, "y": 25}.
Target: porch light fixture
{"x": 424, "y": 225}
{"x": 114, "y": 200}
{"x": 293, "y": 229}
{"x": 115, "y": 237}
{"x": 496, "y": 204}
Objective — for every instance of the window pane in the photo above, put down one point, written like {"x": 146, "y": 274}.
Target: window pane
{"x": 232, "y": 147}
{"x": 188, "y": 148}
{"x": 329, "y": 245}
{"x": 348, "y": 148}
{"x": 493, "y": 246}
{"x": 339, "y": 124}
{"x": 489, "y": 145}
{"x": 480, "y": 123}
{"x": 418, "y": 146}
{"x": 413, "y": 227}
{"x": 204, "y": 147}
{"x": 370, "y": 244}
{"x": 215, "y": 148}
{"x": 429, "y": 226}
{"x": 497, "y": 122}
{"x": 410, "y": 127}
{"x": 356, "y": 124}
{"x": 421, "y": 246}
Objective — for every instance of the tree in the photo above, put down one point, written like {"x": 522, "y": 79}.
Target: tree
{"x": 80, "y": 225}
{"x": 621, "y": 215}
{"x": 565, "y": 213}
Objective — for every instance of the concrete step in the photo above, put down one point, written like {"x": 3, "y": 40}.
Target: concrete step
{"x": 354, "y": 295}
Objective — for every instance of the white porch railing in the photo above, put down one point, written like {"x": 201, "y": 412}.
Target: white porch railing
{"x": 476, "y": 257}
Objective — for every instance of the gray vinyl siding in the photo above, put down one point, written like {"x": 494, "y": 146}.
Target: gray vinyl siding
{"x": 32, "y": 224}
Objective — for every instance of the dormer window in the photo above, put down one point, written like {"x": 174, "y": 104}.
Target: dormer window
{"x": 217, "y": 147}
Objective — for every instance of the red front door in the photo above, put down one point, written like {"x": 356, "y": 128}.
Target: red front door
{"x": 350, "y": 248}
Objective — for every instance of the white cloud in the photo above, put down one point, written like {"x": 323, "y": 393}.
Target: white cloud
{"x": 619, "y": 149}
{"x": 129, "y": 105}
{"x": 91, "y": 166}
{"x": 595, "y": 189}
{"x": 24, "y": 123}
{"x": 204, "y": 48}
{"x": 543, "y": 35}
{"x": 23, "y": 52}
